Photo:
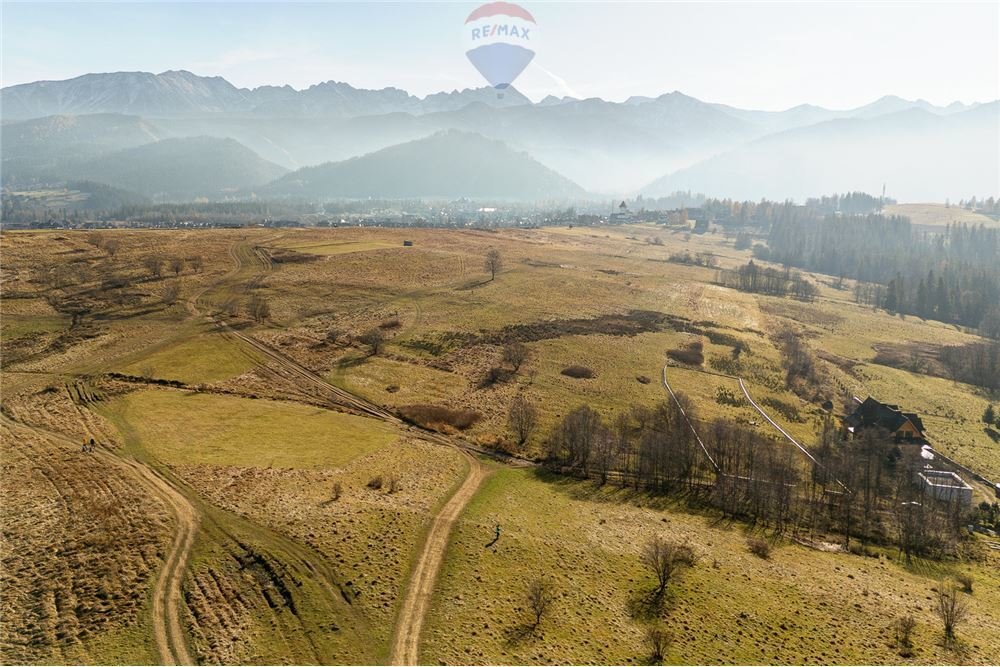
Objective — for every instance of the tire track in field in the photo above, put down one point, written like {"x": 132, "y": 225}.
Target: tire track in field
{"x": 167, "y": 593}
{"x": 417, "y": 597}
{"x": 420, "y": 591}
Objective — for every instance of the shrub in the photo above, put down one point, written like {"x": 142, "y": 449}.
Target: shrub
{"x": 375, "y": 482}
{"x": 726, "y": 396}
{"x": 336, "y": 491}
{"x": 391, "y": 323}
{"x": 578, "y": 372}
{"x": 903, "y": 627}
{"x": 658, "y": 640}
{"x": 727, "y": 365}
{"x": 436, "y": 416}
{"x": 393, "y": 485}
{"x": 642, "y": 379}
{"x": 495, "y": 375}
{"x": 786, "y": 410}
{"x": 758, "y": 547}
{"x": 966, "y": 581}
{"x": 691, "y": 354}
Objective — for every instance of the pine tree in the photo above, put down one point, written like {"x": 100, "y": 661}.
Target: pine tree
{"x": 990, "y": 416}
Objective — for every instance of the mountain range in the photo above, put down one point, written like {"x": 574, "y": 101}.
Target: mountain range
{"x": 77, "y": 128}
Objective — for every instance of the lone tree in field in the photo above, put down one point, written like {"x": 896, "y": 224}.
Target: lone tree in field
{"x": 658, "y": 639}
{"x": 522, "y": 419}
{"x": 259, "y": 308}
{"x": 904, "y": 626}
{"x": 170, "y": 293}
{"x": 951, "y": 609}
{"x": 666, "y": 559}
{"x": 540, "y": 599}
{"x": 374, "y": 339}
{"x": 515, "y": 354}
{"x": 990, "y": 416}
{"x": 111, "y": 246}
{"x": 196, "y": 263}
{"x": 494, "y": 262}
{"x": 154, "y": 265}
{"x": 177, "y": 265}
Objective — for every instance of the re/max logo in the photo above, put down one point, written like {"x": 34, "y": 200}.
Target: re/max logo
{"x": 500, "y": 30}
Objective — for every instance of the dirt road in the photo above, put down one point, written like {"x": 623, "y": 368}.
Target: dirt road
{"x": 417, "y": 600}
{"x": 167, "y": 593}
{"x": 417, "y": 597}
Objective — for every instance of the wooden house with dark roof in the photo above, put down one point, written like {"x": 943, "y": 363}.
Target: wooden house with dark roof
{"x": 904, "y": 426}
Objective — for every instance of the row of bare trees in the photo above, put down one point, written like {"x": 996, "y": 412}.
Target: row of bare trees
{"x": 155, "y": 264}
{"x": 865, "y": 488}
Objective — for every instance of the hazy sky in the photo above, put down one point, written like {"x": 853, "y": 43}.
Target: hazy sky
{"x": 754, "y": 55}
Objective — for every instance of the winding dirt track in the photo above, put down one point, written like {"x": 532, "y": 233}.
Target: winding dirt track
{"x": 167, "y": 594}
{"x": 417, "y": 598}
{"x": 406, "y": 642}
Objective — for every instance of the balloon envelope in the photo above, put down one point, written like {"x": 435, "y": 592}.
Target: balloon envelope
{"x": 499, "y": 38}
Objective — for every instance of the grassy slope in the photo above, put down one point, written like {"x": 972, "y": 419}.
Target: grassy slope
{"x": 939, "y": 215}
{"x": 200, "y": 359}
{"x": 193, "y": 429}
{"x": 801, "y": 606}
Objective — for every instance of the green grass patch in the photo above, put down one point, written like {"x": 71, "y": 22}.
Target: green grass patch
{"x": 200, "y": 359}
{"x": 185, "y": 428}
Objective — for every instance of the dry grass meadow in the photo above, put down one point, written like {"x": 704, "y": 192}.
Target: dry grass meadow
{"x": 309, "y": 513}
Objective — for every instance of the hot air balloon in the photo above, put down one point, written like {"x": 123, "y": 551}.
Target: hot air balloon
{"x": 499, "y": 39}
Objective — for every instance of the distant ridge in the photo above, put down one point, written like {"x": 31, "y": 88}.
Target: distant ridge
{"x": 612, "y": 148}
{"x": 449, "y": 164}
{"x": 178, "y": 168}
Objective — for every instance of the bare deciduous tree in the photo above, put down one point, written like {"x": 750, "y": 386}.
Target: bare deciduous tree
{"x": 658, "y": 639}
{"x": 111, "y": 246}
{"x": 951, "y": 609}
{"x": 540, "y": 599}
{"x": 903, "y": 627}
{"x": 374, "y": 339}
{"x": 170, "y": 293}
{"x": 154, "y": 265}
{"x": 494, "y": 262}
{"x": 259, "y": 308}
{"x": 177, "y": 265}
{"x": 196, "y": 263}
{"x": 515, "y": 354}
{"x": 522, "y": 418}
{"x": 231, "y": 306}
{"x": 665, "y": 559}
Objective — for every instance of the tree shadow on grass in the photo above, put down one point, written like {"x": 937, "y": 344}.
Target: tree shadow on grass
{"x": 647, "y": 605}
{"x": 518, "y": 634}
{"x": 353, "y": 361}
{"x": 612, "y": 492}
{"x": 472, "y": 285}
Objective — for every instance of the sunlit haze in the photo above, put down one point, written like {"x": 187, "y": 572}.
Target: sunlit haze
{"x": 753, "y": 55}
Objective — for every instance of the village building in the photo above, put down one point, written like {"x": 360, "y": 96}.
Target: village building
{"x": 623, "y": 214}
{"x": 903, "y": 426}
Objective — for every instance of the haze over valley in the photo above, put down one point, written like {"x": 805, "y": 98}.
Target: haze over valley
{"x": 62, "y": 129}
